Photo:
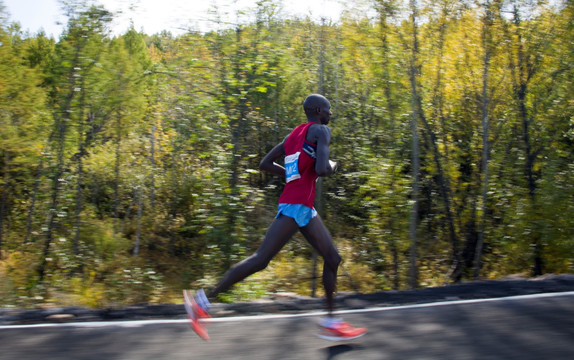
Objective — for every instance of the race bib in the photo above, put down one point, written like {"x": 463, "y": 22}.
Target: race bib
{"x": 292, "y": 167}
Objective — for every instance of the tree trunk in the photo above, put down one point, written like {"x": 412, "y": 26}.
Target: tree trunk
{"x": 319, "y": 187}
{"x": 117, "y": 171}
{"x": 4, "y": 199}
{"x": 395, "y": 256}
{"x": 413, "y": 74}
{"x": 385, "y": 10}
{"x": 31, "y": 208}
{"x": 79, "y": 205}
{"x": 60, "y": 135}
{"x": 54, "y": 201}
{"x": 139, "y": 195}
{"x": 485, "y": 121}
{"x": 80, "y": 172}
{"x": 444, "y": 188}
{"x": 152, "y": 175}
{"x": 526, "y": 70}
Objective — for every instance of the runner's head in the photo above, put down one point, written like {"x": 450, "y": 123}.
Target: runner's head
{"x": 317, "y": 108}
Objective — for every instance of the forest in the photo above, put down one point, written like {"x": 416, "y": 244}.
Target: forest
{"x": 129, "y": 163}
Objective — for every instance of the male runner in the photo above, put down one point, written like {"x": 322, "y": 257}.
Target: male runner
{"x": 306, "y": 151}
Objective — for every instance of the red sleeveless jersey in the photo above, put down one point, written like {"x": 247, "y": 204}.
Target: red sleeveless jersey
{"x": 300, "y": 174}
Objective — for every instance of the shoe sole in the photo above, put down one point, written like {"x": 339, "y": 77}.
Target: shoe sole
{"x": 338, "y": 338}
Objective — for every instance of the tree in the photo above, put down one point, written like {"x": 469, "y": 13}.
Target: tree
{"x": 490, "y": 11}
{"x": 414, "y": 73}
{"x": 432, "y": 141}
{"x": 527, "y": 44}
{"x": 22, "y": 116}
{"x": 78, "y": 56}
{"x": 455, "y": 113}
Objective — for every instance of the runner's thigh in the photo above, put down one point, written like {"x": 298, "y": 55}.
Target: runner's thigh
{"x": 319, "y": 237}
{"x": 280, "y": 231}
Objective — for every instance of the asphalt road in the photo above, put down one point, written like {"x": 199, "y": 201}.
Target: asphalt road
{"x": 524, "y": 327}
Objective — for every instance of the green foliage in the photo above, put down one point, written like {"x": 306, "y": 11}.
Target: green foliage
{"x": 112, "y": 144}
{"x": 17, "y": 280}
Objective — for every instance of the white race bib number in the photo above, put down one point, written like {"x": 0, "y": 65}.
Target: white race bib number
{"x": 292, "y": 167}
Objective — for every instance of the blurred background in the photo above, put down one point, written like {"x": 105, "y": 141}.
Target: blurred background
{"x": 130, "y": 141}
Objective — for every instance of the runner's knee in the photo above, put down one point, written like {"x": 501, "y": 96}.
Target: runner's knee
{"x": 333, "y": 259}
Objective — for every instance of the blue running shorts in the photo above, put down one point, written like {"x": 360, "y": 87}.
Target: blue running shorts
{"x": 300, "y": 213}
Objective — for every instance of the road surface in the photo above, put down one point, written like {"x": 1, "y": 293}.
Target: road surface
{"x": 521, "y": 327}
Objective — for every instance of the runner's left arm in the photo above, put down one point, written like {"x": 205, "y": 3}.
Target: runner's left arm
{"x": 324, "y": 166}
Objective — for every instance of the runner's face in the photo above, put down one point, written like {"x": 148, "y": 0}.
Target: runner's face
{"x": 325, "y": 113}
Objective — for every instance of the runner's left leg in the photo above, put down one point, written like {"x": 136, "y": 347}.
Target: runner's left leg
{"x": 319, "y": 237}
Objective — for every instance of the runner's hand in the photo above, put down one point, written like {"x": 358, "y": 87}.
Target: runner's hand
{"x": 333, "y": 165}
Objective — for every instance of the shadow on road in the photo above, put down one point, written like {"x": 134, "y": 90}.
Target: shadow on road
{"x": 333, "y": 351}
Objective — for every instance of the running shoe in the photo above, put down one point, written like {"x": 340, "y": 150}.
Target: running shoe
{"x": 195, "y": 313}
{"x": 339, "y": 330}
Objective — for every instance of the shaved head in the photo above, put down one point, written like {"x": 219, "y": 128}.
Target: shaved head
{"x": 317, "y": 108}
{"x": 314, "y": 101}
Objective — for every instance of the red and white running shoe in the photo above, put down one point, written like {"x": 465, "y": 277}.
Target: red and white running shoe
{"x": 195, "y": 313}
{"x": 337, "y": 330}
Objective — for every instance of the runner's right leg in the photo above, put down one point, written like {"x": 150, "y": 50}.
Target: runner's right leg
{"x": 279, "y": 232}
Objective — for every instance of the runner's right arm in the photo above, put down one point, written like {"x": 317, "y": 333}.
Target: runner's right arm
{"x": 268, "y": 163}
